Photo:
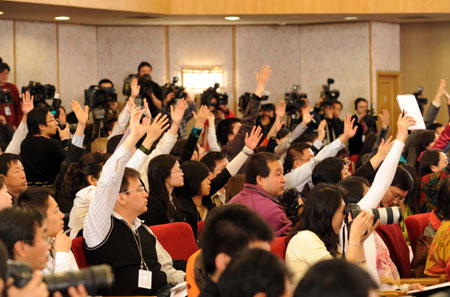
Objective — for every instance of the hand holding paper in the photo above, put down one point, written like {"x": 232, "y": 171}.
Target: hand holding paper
{"x": 408, "y": 104}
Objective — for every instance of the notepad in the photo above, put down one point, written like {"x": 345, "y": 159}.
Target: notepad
{"x": 408, "y": 103}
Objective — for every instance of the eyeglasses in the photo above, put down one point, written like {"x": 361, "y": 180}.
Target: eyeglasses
{"x": 140, "y": 189}
{"x": 396, "y": 196}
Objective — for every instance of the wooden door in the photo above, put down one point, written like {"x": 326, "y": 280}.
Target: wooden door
{"x": 388, "y": 87}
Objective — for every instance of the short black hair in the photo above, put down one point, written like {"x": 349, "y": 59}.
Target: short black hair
{"x": 225, "y": 128}
{"x": 229, "y": 229}
{"x": 328, "y": 171}
{"x": 403, "y": 179}
{"x": 428, "y": 158}
{"x": 3, "y": 258}
{"x": 259, "y": 165}
{"x": 4, "y": 66}
{"x": 105, "y": 81}
{"x": 36, "y": 198}
{"x": 211, "y": 159}
{"x": 308, "y": 137}
{"x": 178, "y": 148}
{"x": 18, "y": 224}
{"x": 129, "y": 173}
{"x": 353, "y": 188}
{"x": 6, "y": 160}
{"x": 37, "y": 116}
{"x": 143, "y": 64}
{"x": 434, "y": 126}
{"x": 335, "y": 278}
{"x": 292, "y": 154}
{"x": 358, "y": 100}
{"x": 253, "y": 271}
{"x": 337, "y": 102}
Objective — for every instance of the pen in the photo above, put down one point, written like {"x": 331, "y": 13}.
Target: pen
{"x": 67, "y": 231}
{"x": 403, "y": 113}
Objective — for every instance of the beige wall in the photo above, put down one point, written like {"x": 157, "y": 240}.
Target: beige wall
{"x": 425, "y": 59}
{"x": 305, "y": 55}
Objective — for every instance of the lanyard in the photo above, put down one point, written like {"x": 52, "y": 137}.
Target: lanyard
{"x": 139, "y": 246}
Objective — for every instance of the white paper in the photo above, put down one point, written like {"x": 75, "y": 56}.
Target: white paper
{"x": 179, "y": 290}
{"x": 408, "y": 103}
{"x": 443, "y": 285}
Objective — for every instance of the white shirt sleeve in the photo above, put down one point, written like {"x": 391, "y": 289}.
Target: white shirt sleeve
{"x": 383, "y": 178}
{"x": 122, "y": 122}
{"x": 298, "y": 177}
{"x": 98, "y": 219}
{"x": 283, "y": 147}
{"x": 19, "y": 135}
{"x": 212, "y": 140}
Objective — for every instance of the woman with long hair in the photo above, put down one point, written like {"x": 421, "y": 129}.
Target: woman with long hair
{"x": 164, "y": 175}
{"x": 316, "y": 238}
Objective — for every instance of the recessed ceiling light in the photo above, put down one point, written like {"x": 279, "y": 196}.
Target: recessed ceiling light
{"x": 232, "y": 18}
{"x": 1, "y": 12}
{"x": 349, "y": 18}
{"x": 62, "y": 18}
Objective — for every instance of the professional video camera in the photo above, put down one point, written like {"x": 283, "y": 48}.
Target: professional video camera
{"x": 40, "y": 92}
{"x": 419, "y": 97}
{"x": 5, "y": 96}
{"x": 294, "y": 100}
{"x": 97, "y": 96}
{"x": 330, "y": 95}
{"x": 147, "y": 86}
{"x": 211, "y": 97}
{"x": 387, "y": 215}
{"x": 172, "y": 87}
{"x": 245, "y": 98}
{"x": 97, "y": 279}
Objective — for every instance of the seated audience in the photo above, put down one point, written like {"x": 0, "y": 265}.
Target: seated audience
{"x": 11, "y": 169}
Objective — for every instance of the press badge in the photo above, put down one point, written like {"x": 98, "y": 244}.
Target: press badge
{"x": 145, "y": 279}
{"x": 7, "y": 111}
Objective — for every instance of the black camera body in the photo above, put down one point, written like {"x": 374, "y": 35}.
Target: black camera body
{"x": 148, "y": 86}
{"x": 295, "y": 100}
{"x": 211, "y": 97}
{"x": 40, "y": 92}
{"x": 97, "y": 279}
{"x": 419, "y": 96}
{"x": 172, "y": 87}
{"x": 97, "y": 96}
{"x": 6, "y": 96}
{"x": 330, "y": 95}
{"x": 245, "y": 98}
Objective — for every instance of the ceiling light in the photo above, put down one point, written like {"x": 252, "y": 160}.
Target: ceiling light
{"x": 232, "y": 18}
{"x": 62, "y": 18}
{"x": 349, "y": 18}
{"x": 1, "y": 12}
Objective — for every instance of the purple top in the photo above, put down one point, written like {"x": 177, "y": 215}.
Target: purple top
{"x": 259, "y": 201}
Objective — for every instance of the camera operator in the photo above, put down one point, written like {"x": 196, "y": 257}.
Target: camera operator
{"x": 11, "y": 111}
{"x": 266, "y": 118}
{"x": 366, "y": 123}
{"x": 22, "y": 230}
{"x": 154, "y": 98}
{"x": 335, "y": 126}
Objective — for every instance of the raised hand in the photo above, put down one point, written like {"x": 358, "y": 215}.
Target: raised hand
{"x": 385, "y": 118}
{"x": 306, "y": 116}
{"x": 64, "y": 134}
{"x": 137, "y": 130}
{"x": 403, "y": 123}
{"x": 211, "y": 119}
{"x": 27, "y": 103}
{"x": 82, "y": 115}
{"x": 135, "y": 88}
{"x": 156, "y": 129}
{"x": 177, "y": 113}
{"x": 147, "y": 112}
{"x": 252, "y": 140}
{"x": 321, "y": 130}
{"x": 280, "y": 109}
{"x": 349, "y": 130}
{"x": 262, "y": 78}
{"x": 201, "y": 117}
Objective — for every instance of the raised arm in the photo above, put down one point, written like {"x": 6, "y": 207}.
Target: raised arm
{"x": 234, "y": 146}
{"x": 299, "y": 130}
{"x": 386, "y": 172}
{"x": 212, "y": 137}
{"x": 192, "y": 140}
{"x": 97, "y": 223}
{"x": 21, "y": 131}
{"x": 433, "y": 108}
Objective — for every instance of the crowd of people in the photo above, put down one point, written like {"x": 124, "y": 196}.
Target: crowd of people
{"x": 250, "y": 180}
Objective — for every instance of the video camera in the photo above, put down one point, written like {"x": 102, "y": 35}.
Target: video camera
{"x": 294, "y": 100}
{"x": 419, "y": 96}
{"x": 172, "y": 87}
{"x": 147, "y": 86}
{"x": 245, "y": 98}
{"x": 97, "y": 96}
{"x": 97, "y": 279}
{"x": 387, "y": 215}
{"x": 40, "y": 92}
{"x": 5, "y": 96}
{"x": 211, "y": 97}
{"x": 330, "y": 95}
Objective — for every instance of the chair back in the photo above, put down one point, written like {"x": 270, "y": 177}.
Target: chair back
{"x": 415, "y": 225}
{"x": 278, "y": 247}
{"x": 176, "y": 238}
{"x": 447, "y": 269}
{"x": 78, "y": 252}
{"x": 200, "y": 226}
